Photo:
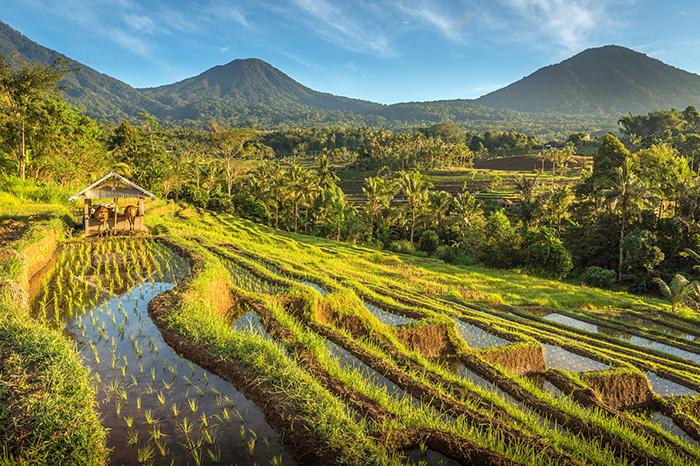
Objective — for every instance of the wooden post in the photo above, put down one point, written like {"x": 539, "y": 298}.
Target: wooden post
{"x": 116, "y": 207}
{"x": 86, "y": 216}
{"x": 139, "y": 217}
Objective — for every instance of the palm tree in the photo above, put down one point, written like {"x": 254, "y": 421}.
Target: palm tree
{"x": 679, "y": 291}
{"x": 325, "y": 173}
{"x": 439, "y": 206}
{"x": 629, "y": 194}
{"x": 415, "y": 187}
{"x": 379, "y": 193}
{"x": 526, "y": 188}
{"x": 292, "y": 186}
{"x": 466, "y": 209}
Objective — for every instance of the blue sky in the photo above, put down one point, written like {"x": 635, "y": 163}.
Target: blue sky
{"x": 384, "y": 51}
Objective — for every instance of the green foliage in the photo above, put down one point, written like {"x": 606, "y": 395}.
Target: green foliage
{"x": 404, "y": 246}
{"x": 428, "y": 241}
{"x": 640, "y": 256}
{"x": 501, "y": 243}
{"x": 198, "y": 197}
{"x": 611, "y": 155}
{"x": 599, "y": 277}
{"x": 546, "y": 254}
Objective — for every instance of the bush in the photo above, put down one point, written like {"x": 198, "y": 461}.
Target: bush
{"x": 448, "y": 254}
{"x": 599, "y": 277}
{"x": 404, "y": 246}
{"x": 220, "y": 202}
{"x": 250, "y": 208}
{"x": 428, "y": 241}
{"x": 546, "y": 254}
{"x": 198, "y": 197}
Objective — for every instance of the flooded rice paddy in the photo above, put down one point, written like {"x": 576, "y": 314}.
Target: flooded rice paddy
{"x": 158, "y": 407}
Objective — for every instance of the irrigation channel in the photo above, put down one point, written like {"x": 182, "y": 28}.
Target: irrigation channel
{"x": 158, "y": 407}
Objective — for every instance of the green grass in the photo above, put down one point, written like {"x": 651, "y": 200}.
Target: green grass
{"x": 47, "y": 407}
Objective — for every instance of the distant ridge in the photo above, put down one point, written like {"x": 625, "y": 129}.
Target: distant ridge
{"x": 587, "y": 92}
{"x": 236, "y": 87}
{"x": 100, "y": 96}
{"x": 609, "y": 80}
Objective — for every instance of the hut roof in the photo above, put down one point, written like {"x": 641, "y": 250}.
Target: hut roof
{"x": 112, "y": 186}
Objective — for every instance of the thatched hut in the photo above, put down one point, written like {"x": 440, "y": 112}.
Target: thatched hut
{"x": 112, "y": 187}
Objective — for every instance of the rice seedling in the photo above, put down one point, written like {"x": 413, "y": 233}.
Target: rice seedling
{"x": 145, "y": 454}
{"x": 192, "y": 402}
{"x": 175, "y": 408}
{"x": 133, "y": 438}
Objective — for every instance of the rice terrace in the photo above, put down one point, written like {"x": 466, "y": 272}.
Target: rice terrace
{"x": 237, "y": 269}
{"x": 216, "y": 340}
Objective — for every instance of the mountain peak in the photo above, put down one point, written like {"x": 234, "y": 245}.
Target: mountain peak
{"x": 604, "y": 80}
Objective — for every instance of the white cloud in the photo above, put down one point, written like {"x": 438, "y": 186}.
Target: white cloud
{"x": 349, "y": 28}
{"x": 569, "y": 24}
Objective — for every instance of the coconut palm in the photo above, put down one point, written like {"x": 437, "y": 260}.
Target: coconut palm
{"x": 415, "y": 187}
{"x": 439, "y": 206}
{"x": 466, "y": 209}
{"x": 679, "y": 291}
{"x": 629, "y": 194}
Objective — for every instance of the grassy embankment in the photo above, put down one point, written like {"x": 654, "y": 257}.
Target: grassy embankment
{"x": 47, "y": 412}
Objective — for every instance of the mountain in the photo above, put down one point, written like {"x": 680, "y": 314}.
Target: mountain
{"x": 609, "y": 80}
{"x": 587, "y": 92}
{"x": 100, "y": 96}
{"x": 248, "y": 89}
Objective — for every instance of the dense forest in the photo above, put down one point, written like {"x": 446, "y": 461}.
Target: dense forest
{"x": 629, "y": 219}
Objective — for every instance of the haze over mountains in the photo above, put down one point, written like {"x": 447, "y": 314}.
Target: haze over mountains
{"x": 588, "y": 91}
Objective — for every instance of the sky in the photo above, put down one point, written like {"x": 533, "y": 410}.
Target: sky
{"x": 385, "y": 51}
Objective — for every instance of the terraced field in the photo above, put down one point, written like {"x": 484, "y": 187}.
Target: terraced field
{"x": 219, "y": 341}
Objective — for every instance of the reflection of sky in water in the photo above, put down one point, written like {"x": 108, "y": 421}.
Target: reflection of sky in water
{"x": 672, "y": 350}
{"x": 386, "y": 317}
{"x": 476, "y": 337}
{"x": 136, "y": 362}
{"x": 665, "y": 387}
{"x": 559, "y": 358}
{"x": 667, "y": 424}
{"x": 571, "y": 322}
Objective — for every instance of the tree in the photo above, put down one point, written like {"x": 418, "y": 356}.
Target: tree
{"x": 379, "y": 193}
{"x": 611, "y": 155}
{"x": 23, "y": 88}
{"x": 628, "y": 194}
{"x": 439, "y": 206}
{"x": 679, "y": 291}
{"x": 230, "y": 143}
{"x": 415, "y": 187}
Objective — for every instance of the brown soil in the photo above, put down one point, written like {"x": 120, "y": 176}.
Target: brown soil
{"x": 525, "y": 164}
{"x": 457, "y": 448}
{"x": 620, "y": 391}
{"x": 11, "y": 230}
{"x": 622, "y": 449}
{"x": 327, "y": 314}
{"x": 517, "y": 359}
{"x": 432, "y": 340}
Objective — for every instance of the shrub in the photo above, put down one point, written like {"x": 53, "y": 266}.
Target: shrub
{"x": 252, "y": 209}
{"x": 220, "y": 202}
{"x": 599, "y": 277}
{"x": 404, "y": 246}
{"x": 447, "y": 254}
{"x": 546, "y": 254}
{"x": 198, "y": 197}
{"x": 428, "y": 241}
